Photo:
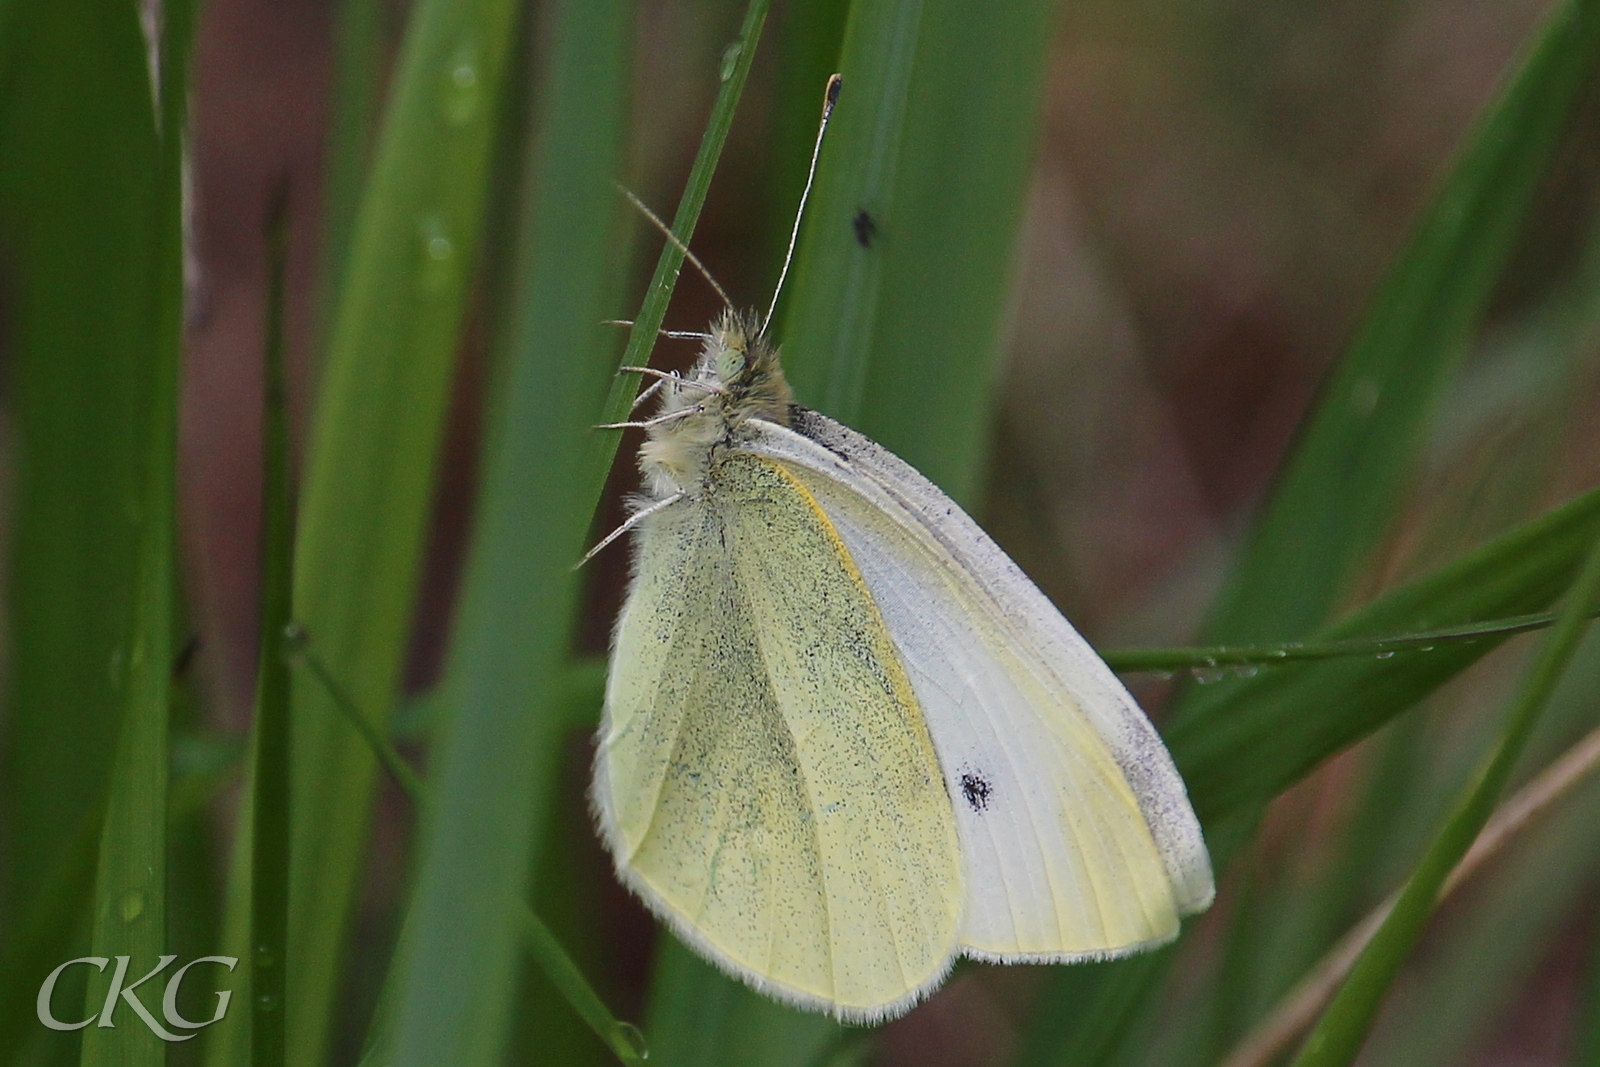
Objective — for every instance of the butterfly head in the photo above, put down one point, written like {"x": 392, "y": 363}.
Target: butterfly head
{"x": 737, "y": 378}
{"x": 740, "y": 359}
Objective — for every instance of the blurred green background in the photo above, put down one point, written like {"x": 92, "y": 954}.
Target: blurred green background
{"x": 1235, "y": 322}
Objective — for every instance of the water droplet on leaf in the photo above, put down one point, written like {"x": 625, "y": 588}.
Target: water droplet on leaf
{"x": 634, "y": 1038}
{"x": 131, "y": 906}
{"x": 463, "y": 94}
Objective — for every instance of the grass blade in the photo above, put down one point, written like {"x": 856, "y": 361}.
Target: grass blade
{"x": 495, "y": 763}
{"x": 946, "y": 240}
{"x": 1215, "y": 660}
{"x": 368, "y": 485}
{"x": 1491, "y": 949}
{"x": 1335, "y": 496}
{"x": 130, "y": 901}
{"x": 357, "y": 96}
{"x": 699, "y": 1017}
{"x": 1272, "y": 729}
{"x": 624, "y": 1040}
{"x": 1340, "y": 1033}
{"x": 270, "y": 815}
{"x": 1267, "y": 732}
{"x": 1274, "y": 1035}
{"x": 84, "y": 337}
{"x": 1106, "y": 1000}
{"x": 829, "y": 325}
{"x": 540, "y": 943}
{"x": 736, "y": 60}
{"x": 808, "y": 44}
{"x": 929, "y": 161}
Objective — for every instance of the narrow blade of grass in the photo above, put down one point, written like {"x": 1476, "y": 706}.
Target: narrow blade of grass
{"x": 1086, "y": 1012}
{"x": 895, "y": 320}
{"x": 129, "y": 922}
{"x": 83, "y": 341}
{"x": 227, "y": 1042}
{"x": 699, "y": 1017}
{"x": 1272, "y": 729}
{"x": 831, "y": 315}
{"x": 808, "y": 43}
{"x": 1340, "y": 1033}
{"x": 368, "y": 485}
{"x": 271, "y": 822}
{"x": 1216, "y": 661}
{"x": 1271, "y": 1038}
{"x": 1336, "y": 495}
{"x": 495, "y": 761}
{"x": 624, "y": 1040}
{"x": 1494, "y": 946}
{"x": 357, "y": 96}
{"x": 948, "y": 240}
{"x": 736, "y": 61}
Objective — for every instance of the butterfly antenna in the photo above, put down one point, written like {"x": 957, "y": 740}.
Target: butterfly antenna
{"x": 830, "y": 96}
{"x": 666, "y": 231}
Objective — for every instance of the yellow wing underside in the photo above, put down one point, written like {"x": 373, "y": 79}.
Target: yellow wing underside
{"x": 765, "y": 775}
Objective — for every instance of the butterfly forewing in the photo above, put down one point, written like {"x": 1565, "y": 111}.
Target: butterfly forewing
{"x": 765, "y": 776}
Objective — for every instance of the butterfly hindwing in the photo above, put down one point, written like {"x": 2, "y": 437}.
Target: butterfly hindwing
{"x": 1078, "y": 838}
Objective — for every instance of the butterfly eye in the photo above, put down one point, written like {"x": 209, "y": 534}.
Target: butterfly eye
{"x": 730, "y": 363}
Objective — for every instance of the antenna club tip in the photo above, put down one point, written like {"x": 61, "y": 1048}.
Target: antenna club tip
{"x": 831, "y": 94}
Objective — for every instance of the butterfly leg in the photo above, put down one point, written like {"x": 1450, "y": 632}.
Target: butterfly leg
{"x": 633, "y": 520}
{"x": 645, "y": 424}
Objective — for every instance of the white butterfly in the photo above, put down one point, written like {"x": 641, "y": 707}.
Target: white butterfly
{"x": 846, "y": 741}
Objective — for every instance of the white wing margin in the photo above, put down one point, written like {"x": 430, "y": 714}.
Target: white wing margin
{"x": 1079, "y": 838}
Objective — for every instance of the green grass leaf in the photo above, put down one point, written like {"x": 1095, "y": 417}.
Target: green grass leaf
{"x": 1217, "y": 661}
{"x": 933, "y": 140}
{"x": 358, "y": 71}
{"x": 736, "y": 62}
{"x": 270, "y": 815}
{"x": 699, "y": 1017}
{"x": 541, "y": 945}
{"x": 369, "y": 483}
{"x": 1336, "y": 495}
{"x": 86, "y": 341}
{"x": 1343, "y": 1028}
{"x": 831, "y": 313}
{"x": 1253, "y": 738}
{"x": 496, "y": 759}
{"x": 1467, "y": 985}
{"x": 129, "y": 924}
